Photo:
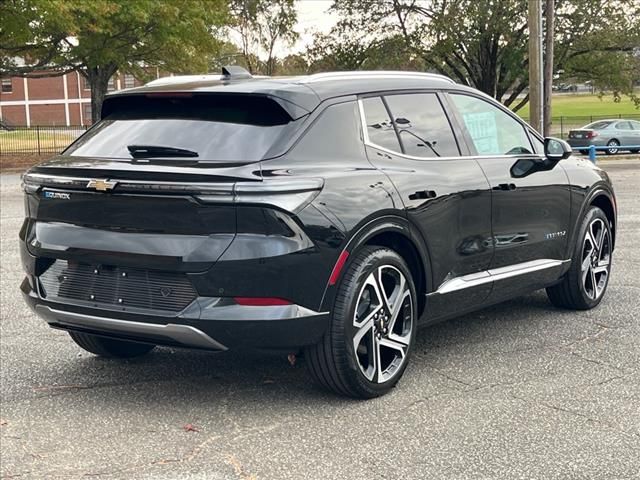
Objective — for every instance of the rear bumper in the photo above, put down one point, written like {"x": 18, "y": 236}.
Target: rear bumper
{"x": 586, "y": 142}
{"x": 208, "y": 323}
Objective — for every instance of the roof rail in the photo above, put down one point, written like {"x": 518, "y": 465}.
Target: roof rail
{"x": 323, "y": 77}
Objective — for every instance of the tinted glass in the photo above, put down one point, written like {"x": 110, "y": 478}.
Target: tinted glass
{"x": 220, "y": 128}
{"x": 379, "y": 126}
{"x": 422, "y": 125}
{"x": 341, "y": 124}
{"x": 635, "y": 125}
{"x": 493, "y": 131}
{"x": 601, "y": 125}
{"x": 623, "y": 126}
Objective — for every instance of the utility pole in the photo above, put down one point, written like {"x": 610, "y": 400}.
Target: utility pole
{"x": 535, "y": 64}
{"x": 549, "y": 34}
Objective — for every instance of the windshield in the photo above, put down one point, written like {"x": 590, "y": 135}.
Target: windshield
{"x": 226, "y": 128}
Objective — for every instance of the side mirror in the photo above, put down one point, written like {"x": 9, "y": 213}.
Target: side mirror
{"x": 556, "y": 149}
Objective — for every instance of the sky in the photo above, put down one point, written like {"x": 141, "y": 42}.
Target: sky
{"x": 312, "y": 17}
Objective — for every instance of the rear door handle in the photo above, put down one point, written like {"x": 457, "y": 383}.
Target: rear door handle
{"x": 505, "y": 186}
{"x": 423, "y": 194}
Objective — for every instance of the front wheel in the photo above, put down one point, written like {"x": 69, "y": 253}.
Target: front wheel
{"x": 585, "y": 283}
{"x": 367, "y": 348}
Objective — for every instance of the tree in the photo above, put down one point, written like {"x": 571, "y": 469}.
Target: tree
{"x": 483, "y": 43}
{"x": 99, "y": 37}
{"x": 261, "y": 24}
{"x": 599, "y": 41}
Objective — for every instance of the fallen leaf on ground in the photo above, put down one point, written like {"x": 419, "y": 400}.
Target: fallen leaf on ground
{"x": 292, "y": 359}
{"x": 190, "y": 428}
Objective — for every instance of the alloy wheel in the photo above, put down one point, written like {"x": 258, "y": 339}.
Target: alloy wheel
{"x": 613, "y": 147}
{"x": 383, "y": 323}
{"x": 596, "y": 259}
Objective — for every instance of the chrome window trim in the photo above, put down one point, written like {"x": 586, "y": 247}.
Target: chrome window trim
{"x": 495, "y": 274}
{"x": 368, "y": 142}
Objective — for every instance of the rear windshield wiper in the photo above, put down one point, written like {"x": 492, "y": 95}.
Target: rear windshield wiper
{"x": 150, "y": 151}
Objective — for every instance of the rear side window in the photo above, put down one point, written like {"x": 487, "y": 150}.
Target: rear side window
{"x": 423, "y": 127}
{"x": 493, "y": 131}
{"x": 226, "y": 128}
{"x": 379, "y": 127}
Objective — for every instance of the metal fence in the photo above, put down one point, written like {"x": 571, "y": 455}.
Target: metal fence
{"x": 42, "y": 140}
{"x": 561, "y": 126}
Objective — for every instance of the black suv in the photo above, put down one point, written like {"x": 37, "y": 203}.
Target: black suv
{"x": 332, "y": 214}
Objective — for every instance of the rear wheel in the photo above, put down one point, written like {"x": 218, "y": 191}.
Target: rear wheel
{"x": 613, "y": 147}
{"x": 367, "y": 348}
{"x": 586, "y": 281}
{"x": 110, "y": 347}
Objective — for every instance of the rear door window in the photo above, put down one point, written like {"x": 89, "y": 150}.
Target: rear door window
{"x": 226, "y": 128}
{"x": 624, "y": 126}
{"x": 422, "y": 125}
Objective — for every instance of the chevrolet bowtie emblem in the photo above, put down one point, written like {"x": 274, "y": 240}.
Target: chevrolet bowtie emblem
{"x": 102, "y": 185}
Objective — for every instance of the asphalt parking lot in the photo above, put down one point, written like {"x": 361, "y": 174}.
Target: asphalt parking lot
{"x": 520, "y": 390}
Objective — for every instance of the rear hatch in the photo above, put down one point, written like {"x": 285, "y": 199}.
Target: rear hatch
{"x": 155, "y": 183}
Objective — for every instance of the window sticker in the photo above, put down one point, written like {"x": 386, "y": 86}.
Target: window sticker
{"x": 484, "y": 131}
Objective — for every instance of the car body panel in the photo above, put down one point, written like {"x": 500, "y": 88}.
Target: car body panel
{"x": 187, "y": 219}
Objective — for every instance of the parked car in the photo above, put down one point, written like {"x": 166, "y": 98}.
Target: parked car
{"x": 330, "y": 215}
{"x": 611, "y": 133}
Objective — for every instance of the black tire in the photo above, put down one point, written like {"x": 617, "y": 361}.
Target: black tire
{"x": 333, "y": 362}
{"x": 635, "y": 150}
{"x": 613, "y": 143}
{"x": 110, "y": 347}
{"x": 584, "y": 152}
{"x": 572, "y": 292}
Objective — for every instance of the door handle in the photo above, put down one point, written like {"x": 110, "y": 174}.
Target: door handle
{"x": 423, "y": 194}
{"x": 505, "y": 186}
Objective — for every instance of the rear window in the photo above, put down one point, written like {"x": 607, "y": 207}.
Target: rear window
{"x": 601, "y": 125}
{"x": 226, "y": 128}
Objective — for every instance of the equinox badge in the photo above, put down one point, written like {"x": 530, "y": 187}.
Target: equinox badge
{"x": 102, "y": 185}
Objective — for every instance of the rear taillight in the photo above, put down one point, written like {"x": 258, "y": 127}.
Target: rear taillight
{"x": 291, "y": 194}
{"x": 592, "y": 134}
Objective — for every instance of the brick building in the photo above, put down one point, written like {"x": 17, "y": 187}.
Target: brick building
{"x": 61, "y": 100}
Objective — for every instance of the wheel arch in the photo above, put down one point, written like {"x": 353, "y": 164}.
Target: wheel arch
{"x": 605, "y": 203}
{"x": 396, "y": 233}
{"x": 604, "y": 199}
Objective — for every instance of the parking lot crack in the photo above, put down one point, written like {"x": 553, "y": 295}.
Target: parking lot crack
{"x": 574, "y": 413}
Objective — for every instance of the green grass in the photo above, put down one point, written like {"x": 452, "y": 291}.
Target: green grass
{"x": 581, "y": 105}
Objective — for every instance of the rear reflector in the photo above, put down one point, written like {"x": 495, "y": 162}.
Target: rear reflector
{"x": 261, "y": 301}
{"x": 337, "y": 268}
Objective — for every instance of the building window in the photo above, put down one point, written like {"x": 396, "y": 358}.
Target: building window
{"x": 86, "y": 113}
{"x": 111, "y": 84}
{"x": 129, "y": 81}
{"x": 6, "y": 85}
